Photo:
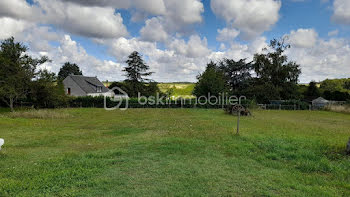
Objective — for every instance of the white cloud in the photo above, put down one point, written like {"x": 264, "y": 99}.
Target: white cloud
{"x": 251, "y": 17}
{"x": 333, "y": 33}
{"x": 178, "y": 19}
{"x": 222, "y": 46}
{"x": 195, "y": 47}
{"x": 17, "y": 9}
{"x": 121, "y": 48}
{"x": 303, "y": 38}
{"x": 94, "y": 22}
{"x": 226, "y": 34}
{"x": 179, "y": 58}
{"x": 341, "y": 13}
{"x": 38, "y": 37}
{"x": 70, "y": 51}
{"x": 184, "y": 11}
{"x": 12, "y": 27}
{"x": 177, "y": 15}
{"x": 98, "y": 19}
{"x": 154, "y": 30}
{"x": 182, "y": 60}
{"x": 326, "y": 59}
{"x": 153, "y": 7}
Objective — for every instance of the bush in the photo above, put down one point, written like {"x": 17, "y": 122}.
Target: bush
{"x": 336, "y": 95}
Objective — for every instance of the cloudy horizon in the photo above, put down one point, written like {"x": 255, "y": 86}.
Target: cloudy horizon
{"x": 177, "y": 38}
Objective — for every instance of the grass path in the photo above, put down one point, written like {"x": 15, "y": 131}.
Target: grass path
{"x": 175, "y": 152}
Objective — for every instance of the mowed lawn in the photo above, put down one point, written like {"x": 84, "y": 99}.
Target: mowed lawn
{"x": 174, "y": 152}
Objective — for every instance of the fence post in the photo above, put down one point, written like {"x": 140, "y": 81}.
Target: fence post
{"x": 238, "y": 119}
{"x": 280, "y": 106}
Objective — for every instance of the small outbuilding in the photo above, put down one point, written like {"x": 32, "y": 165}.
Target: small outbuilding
{"x": 320, "y": 103}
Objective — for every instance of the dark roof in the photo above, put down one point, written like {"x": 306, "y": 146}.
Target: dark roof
{"x": 88, "y": 84}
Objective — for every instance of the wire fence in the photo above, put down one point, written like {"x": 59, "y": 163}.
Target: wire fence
{"x": 284, "y": 107}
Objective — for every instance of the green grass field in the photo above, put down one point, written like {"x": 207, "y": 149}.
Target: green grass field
{"x": 173, "y": 152}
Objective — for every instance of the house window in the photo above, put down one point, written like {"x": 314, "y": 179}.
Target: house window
{"x": 68, "y": 91}
{"x": 99, "y": 89}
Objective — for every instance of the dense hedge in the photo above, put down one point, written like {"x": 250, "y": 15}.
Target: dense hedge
{"x": 98, "y": 102}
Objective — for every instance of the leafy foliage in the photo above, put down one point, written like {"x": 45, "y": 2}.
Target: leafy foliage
{"x": 17, "y": 69}
{"x": 136, "y": 69}
{"x": 135, "y": 73}
{"x": 45, "y": 93}
{"x": 274, "y": 69}
{"x": 237, "y": 74}
{"x": 69, "y": 69}
{"x": 312, "y": 91}
{"x": 336, "y": 95}
{"x": 347, "y": 84}
{"x": 276, "y": 77}
{"x": 212, "y": 82}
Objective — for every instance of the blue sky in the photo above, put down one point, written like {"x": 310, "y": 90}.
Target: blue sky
{"x": 178, "y": 37}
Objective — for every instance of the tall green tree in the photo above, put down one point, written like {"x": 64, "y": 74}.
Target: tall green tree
{"x": 137, "y": 69}
{"x": 347, "y": 84}
{"x": 212, "y": 81}
{"x": 274, "y": 68}
{"x": 69, "y": 69}
{"x": 17, "y": 69}
{"x": 46, "y": 91}
{"x": 136, "y": 73}
{"x": 237, "y": 74}
{"x": 312, "y": 91}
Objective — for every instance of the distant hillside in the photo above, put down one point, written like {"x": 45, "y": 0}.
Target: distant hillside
{"x": 342, "y": 85}
{"x": 178, "y": 89}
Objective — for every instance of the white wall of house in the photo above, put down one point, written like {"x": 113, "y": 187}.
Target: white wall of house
{"x": 107, "y": 94}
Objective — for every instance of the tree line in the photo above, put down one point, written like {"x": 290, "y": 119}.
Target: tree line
{"x": 22, "y": 80}
{"x": 270, "y": 76}
{"x": 334, "y": 90}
